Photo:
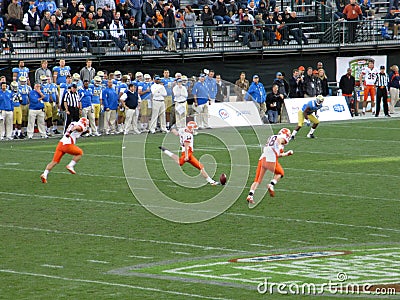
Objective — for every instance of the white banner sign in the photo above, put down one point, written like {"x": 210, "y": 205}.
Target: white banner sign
{"x": 227, "y": 114}
{"x": 333, "y": 109}
{"x": 357, "y": 63}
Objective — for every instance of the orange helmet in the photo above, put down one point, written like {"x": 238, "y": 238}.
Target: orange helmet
{"x": 191, "y": 126}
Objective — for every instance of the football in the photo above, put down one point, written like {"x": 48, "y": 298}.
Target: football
{"x": 222, "y": 179}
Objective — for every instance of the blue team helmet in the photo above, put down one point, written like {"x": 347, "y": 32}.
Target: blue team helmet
{"x": 320, "y": 99}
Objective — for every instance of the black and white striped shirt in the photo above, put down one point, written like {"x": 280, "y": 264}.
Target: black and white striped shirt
{"x": 382, "y": 80}
{"x": 72, "y": 99}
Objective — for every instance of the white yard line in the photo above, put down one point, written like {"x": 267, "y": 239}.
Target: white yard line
{"x": 261, "y": 245}
{"x": 180, "y": 252}
{"x": 122, "y": 285}
{"x": 143, "y": 257}
{"x": 98, "y": 261}
{"x": 379, "y": 235}
{"x": 52, "y": 266}
{"x": 337, "y": 238}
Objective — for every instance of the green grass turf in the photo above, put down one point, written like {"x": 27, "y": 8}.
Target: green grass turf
{"x": 60, "y": 240}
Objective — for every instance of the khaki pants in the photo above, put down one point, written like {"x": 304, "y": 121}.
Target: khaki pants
{"x": 88, "y": 112}
{"x": 6, "y": 124}
{"x": 394, "y": 97}
{"x": 33, "y": 115}
{"x": 158, "y": 111}
{"x": 201, "y": 115}
{"x": 109, "y": 120}
{"x": 262, "y": 108}
{"x": 131, "y": 120}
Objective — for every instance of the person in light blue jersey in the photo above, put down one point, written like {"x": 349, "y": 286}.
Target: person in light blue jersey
{"x": 86, "y": 95}
{"x": 24, "y": 89}
{"x": 60, "y": 72}
{"x": 17, "y": 110}
{"x": 97, "y": 89}
{"x": 120, "y": 86}
{"x": 308, "y": 113}
{"x": 19, "y": 71}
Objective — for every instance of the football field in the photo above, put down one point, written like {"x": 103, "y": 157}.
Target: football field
{"x": 122, "y": 227}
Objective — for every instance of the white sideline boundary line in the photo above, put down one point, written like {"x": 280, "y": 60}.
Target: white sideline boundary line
{"x": 136, "y": 287}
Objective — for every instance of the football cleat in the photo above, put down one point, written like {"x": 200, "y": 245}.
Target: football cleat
{"x": 162, "y": 148}
{"x": 271, "y": 190}
{"x": 311, "y": 136}
{"x": 292, "y": 138}
{"x": 250, "y": 199}
{"x": 43, "y": 178}
{"x": 214, "y": 183}
{"x": 71, "y": 169}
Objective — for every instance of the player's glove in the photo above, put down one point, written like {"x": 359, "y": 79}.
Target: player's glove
{"x": 308, "y": 122}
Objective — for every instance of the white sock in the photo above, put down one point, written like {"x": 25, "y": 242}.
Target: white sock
{"x": 72, "y": 163}
{"x": 54, "y": 127}
{"x": 209, "y": 179}
{"x": 19, "y": 131}
{"x": 312, "y": 131}
{"x": 273, "y": 181}
{"x": 294, "y": 132}
{"x": 363, "y": 109}
{"x": 45, "y": 173}
{"x": 169, "y": 153}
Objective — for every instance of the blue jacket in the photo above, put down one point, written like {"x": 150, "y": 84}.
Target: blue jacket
{"x": 211, "y": 84}
{"x": 201, "y": 91}
{"x": 110, "y": 99}
{"x": 86, "y": 97}
{"x": 257, "y": 92}
{"x": 6, "y": 102}
{"x": 34, "y": 102}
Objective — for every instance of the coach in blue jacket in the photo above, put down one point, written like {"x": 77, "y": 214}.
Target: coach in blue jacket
{"x": 257, "y": 93}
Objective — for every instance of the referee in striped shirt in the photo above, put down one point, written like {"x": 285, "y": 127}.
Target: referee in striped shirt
{"x": 381, "y": 83}
{"x": 72, "y": 105}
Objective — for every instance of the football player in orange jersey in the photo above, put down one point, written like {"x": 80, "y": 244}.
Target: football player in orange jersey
{"x": 268, "y": 161}
{"x": 186, "y": 141}
{"x": 68, "y": 145}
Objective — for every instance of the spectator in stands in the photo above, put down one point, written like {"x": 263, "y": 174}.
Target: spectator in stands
{"x": 252, "y": 8}
{"x": 108, "y": 14}
{"x": 180, "y": 34}
{"x": 31, "y": 19}
{"x": 91, "y": 26}
{"x": 123, "y": 9}
{"x": 393, "y": 5}
{"x": 133, "y": 33}
{"x": 79, "y": 17}
{"x": 5, "y": 41}
{"x": 270, "y": 29}
{"x": 367, "y": 13}
{"x": 282, "y": 30}
{"x": 69, "y": 35}
{"x": 72, "y": 9}
{"x": 150, "y": 35}
{"x": 42, "y": 6}
{"x": 394, "y": 22}
{"x": 170, "y": 25}
{"x": 295, "y": 29}
{"x": 236, "y": 19}
{"x": 347, "y": 84}
{"x": 81, "y": 36}
{"x": 295, "y": 82}
{"x": 324, "y": 82}
{"x": 309, "y": 84}
{"x": 53, "y": 35}
{"x": 394, "y": 86}
{"x": 202, "y": 3}
{"x": 273, "y": 102}
{"x": 385, "y": 31}
{"x": 159, "y": 24}
{"x": 352, "y": 11}
{"x": 247, "y": 30}
{"x": 102, "y": 24}
{"x": 257, "y": 94}
{"x": 117, "y": 33}
{"x": 221, "y": 13}
{"x": 111, "y": 5}
{"x": 241, "y": 86}
{"x": 15, "y": 14}
{"x": 232, "y": 8}
{"x": 190, "y": 22}
{"x": 59, "y": 18}
{"x": 207, "y": 19}
{"x": 136, "y": 7}
{"x": 150, "y": 8}
{"x": 51, "y": 6}
{"x": 45, "y": 20}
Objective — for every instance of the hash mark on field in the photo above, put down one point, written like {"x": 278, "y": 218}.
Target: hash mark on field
{"x": 12, "y": 164}
{"x": 296, "y": 241}
{"x": 52, "y": 266}
{"x": 337, "y": 238}
{"x": 179, "y": 252}
{"x": 108, "y": 191}
{"x": 138, "y": 256}
{"x": 380, "y": 235}
{"x": 261, "y": 245}
{"x": 98, "y": 261}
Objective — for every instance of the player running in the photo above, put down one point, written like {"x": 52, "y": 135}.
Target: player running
{"x": 186, "y": 140}
{"x": 68, "y": 145}
{"x": 274, "y": 148}
{"x": 307, "y": 113}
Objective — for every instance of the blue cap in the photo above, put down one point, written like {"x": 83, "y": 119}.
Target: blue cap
{"x": 121, "y": 1}
{"x": 157, "y": 78}
{"x": 179, "y": 80}
{"x": 279, "y": 74}
{"x": 202, "y": 75}
{"x": 31, "y": 6}
{"x": 255, "y": 76}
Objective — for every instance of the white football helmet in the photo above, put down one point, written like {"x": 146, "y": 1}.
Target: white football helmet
{"x": 191, "y": 126}
{"x": 22, "y": 80}
{"x": 43, "y": 79}
{"x": 97, "y": 80}
{"x": 117, "y": 75}
{"x": 320, "y": 99}
{"x": 14, "y": 86}
{"x": 285, "y": 134}
{"x": 84, "y": 121}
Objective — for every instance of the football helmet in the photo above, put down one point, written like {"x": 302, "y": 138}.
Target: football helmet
{"x": 285, "y": 134}
{"x": 117, "y": 75}
{"x": 76, "y": 77}
{"x": 43, "y": 79}
{"x": 320, "y": 99}
{"x": 22, "y": 80}
{"x": 191, "y": 126}
{"x": 100, "y": 74}
{"x": 97, "y": 80}
{"x": 14, "y": 86}
{"x": 84, "y": 121}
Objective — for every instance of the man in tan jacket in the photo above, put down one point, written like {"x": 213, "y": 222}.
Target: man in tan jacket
{"x": 15, "y": 14}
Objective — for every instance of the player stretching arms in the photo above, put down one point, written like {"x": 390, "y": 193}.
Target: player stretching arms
{"x": 274, "y": 148}
{"x": 67, "y": 145}
{"x": 186, "y": 140}
{"x": 307, "y": 113}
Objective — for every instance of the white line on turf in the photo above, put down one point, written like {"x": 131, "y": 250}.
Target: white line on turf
{"x": 337, "y": 238}
{"x": 122, "y": 238}
{"x": 300, "y": 242}
{"x": 139, "y": 256}
{"x": 261, "y": 245}
{"x": 379, "y": 235}
{"x": 98, "y": 261}
{"x": 142, "y": 288}
{"x": 180, "y": 252}
{"x": 52, "y": 266}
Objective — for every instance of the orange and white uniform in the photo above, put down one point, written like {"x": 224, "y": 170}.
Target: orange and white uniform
{"x": 269, "y": 158}
{"x": 185, "y": 136}
{"x": 67, "y": 144}
{"x": 370, "y": 76}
